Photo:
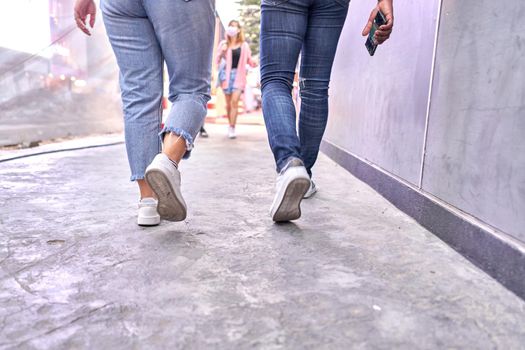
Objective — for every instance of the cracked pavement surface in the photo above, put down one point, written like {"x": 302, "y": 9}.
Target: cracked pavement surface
{"x": 354, "y": 272}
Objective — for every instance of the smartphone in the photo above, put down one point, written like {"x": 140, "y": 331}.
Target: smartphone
{"x": 371, "y": 44}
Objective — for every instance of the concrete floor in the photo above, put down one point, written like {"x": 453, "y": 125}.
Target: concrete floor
{"x": 354, "y": 272}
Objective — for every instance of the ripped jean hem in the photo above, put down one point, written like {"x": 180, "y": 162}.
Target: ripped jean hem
{"x": 136, "y": 177}
{"x": 182, "y": 133}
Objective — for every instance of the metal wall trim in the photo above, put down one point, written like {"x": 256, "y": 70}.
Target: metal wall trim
{"x": 496, "y": 253}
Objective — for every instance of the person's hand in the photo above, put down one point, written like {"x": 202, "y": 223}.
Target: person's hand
{"x": 222, "y": 50}
{"x": 384, "y": 31}
{"x": 83, "y": 8}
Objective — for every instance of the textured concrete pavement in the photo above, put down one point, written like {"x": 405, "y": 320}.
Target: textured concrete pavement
{"x": 354, "y": 272}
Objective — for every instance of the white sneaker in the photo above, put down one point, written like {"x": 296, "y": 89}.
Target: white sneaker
{"x": 311, "y": 191}
{"x": 292, "y": 184}
{"x": 148, "y": 215}
{"x": 231, "y": 132}
{"x": 164, "y": 179}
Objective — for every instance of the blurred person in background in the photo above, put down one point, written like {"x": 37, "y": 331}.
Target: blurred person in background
{"x": 203, "y": 132}
{"x": 312, "y": 28}
{"x": 236, "y": 54}
{"x": 251, "y": 94}
{"x": 144, "y": 34}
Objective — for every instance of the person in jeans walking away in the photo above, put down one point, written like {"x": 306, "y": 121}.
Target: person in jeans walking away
{"x": 312, "y": 28}
{"x": 237, "y": 54}
{"x": 144, "y": 34}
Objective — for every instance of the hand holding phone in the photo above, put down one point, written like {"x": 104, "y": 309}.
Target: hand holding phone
{"x": 371, "y": 42}
{"x": 379, "y": 26}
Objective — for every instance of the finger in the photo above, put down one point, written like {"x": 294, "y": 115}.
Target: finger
{"x": 382, "y": 34}
{"x": 368, "y": 26}
{"x": 382, "y": 39}
{"x": 82, "y": 26}
{"x": 389, "y": 20}
{"x": 80, "y": 19}
{"x": 387, "y": 26}
{"x": 92, "y": 16}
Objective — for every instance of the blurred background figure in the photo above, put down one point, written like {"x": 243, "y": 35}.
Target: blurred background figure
{"x": 57, "y": 83}
{"x": 234, "y": 54}
{"x": 203, "y": 132}
{"x": 252, "y": 92}
{"x": 54, "y": 83}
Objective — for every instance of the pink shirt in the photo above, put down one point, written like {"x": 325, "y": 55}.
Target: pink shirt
{"x": 244, "y": 59}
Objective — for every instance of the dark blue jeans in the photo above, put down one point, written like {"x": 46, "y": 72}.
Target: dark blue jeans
{"x": 289, "y": 27}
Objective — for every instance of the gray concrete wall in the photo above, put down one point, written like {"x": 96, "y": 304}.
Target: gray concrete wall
{"x": 475, "y": 144}
{"x": 476, "y": 141}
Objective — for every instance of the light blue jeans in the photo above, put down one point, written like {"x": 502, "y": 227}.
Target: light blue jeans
{"x": 144, "y": 34}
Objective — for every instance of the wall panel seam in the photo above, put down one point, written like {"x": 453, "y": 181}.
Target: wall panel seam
{"x": 431, "y": 82}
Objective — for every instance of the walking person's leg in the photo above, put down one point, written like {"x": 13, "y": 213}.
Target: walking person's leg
{"x": 229, "y": 92}
{"x": 139, "y": 59}
{"x": 228, "y": 99}
{"x": 325, "y": 24}
{"x": 235, "y": 97}
{"x": 185, "y": 31}
{"x": 283, "y": 27}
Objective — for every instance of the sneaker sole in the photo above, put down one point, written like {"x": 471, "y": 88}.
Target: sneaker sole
{"x": 290, "y": 207}
{"x": 151, "y": 221}
{"x": 170, "y": 206}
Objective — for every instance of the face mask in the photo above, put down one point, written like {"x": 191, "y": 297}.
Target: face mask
{"x": 232, "y": 31}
